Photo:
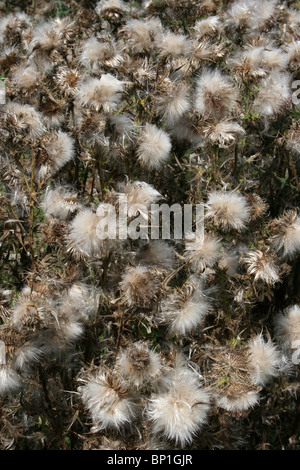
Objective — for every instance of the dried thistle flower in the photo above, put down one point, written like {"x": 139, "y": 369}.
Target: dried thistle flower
{"x": 9, "y": 58}
{"x": 228, "y": 209}
{"x": 223, "y": 133}
{"x": 31, "y": 312}
{"x": 26, "y": 78}
{"x": 154, "y": 147}
{"x": 174, "y": 45}
{"x": 53, "y": 110}
{"x": 288, "y": 326}
{"x": 13, "y": 26}
{"x": 140, "y": 286}
{"x": 99, "y": 52}
{"x": 202, "y": 250}
{"x": 138, "y": 364}
{"x": 59, "y": 203}
{"x": 173, "y": 101}
{"x": 185, "y": 309}
{"x": 274, "y": 94}
{"x": 252, "y": 14}
{"x": 9, "y": 380}
{"x": 180, "y": 411}
{"x": 91, "y": 126}
{"x": 23, "y": 119}
{"x": 103, "y": 93}
{"x": 134, "y": 196}
{"x": 293, "y": 52}
{"x": 263, "y": 359}
{"x": 25, "y": 356}
{"x": 275, "y": 59}
{"x": 107, "y": 399}
{"x": 285, "y": 234}
{"x": 59, "y": 150}
{"x": 230, "y": 377}
{"x": 208, "y": 26}
{"x": 81, "y": 302}
{"x": 258, "y": 206}
{"x": 143, "y": 35}
{"x": 44, "y": 48}
{"x": 111, "y": 8}
{"x": 248, "y": 62}
{"x": 67, "y": 80}
{"x": 293, "y": 139}
{"x": 229, "y": 261}
{"x": 215, "y": 94}
{"x": 82, "y": 237}
{"x": 261, "y": 266}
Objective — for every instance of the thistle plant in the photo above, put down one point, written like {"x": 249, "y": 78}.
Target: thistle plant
{"x": 110, "y": 337}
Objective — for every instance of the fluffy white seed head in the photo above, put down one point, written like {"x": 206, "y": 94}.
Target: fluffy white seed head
{"x": 123, "y": 128}
{"x": 215, "y": 94}
{"x": 285, "y": 238}
{"x": 96, "y": 53}
{"x": 59, "y": 148}
{"x": 9, "y": 380}
{"x": 173, "y": 103}
{"x": 107, "y": 400}
{"x": 136, "y": 197}
{"x": 229, "y": 261}
{"x": 81, "y": 302}
{"x": 105, "y": 5}
{"x": 223, "y": 133}
{"x": 263, "y": 360}
{"x": 275, "y": 59}
{"x": 228, "y": 210}
{"x": 59, "y": 203}
{"x": 30, "y": 313}
{"x": 252, "y": 14}
{"x": 288, "y": 327}
{"x": 184, "y": 312}
{"x": 261, "y": 266}
{"x": 68, "y": 331}
{"x": 103, "y": 93}
{"x": 208, "y": 26}
{"x": 248, "y": 62}
{"x": 83, "y": 237}
{"x": 154, "y": 147}
{"x": 139, "y": 364}
{"x": 143, "y": 35}
{"x": 46, "y": 36}
{"x": 242, "y": 402}
{"x": 26, "y": 77}
{"x": 25, "y": 356}
{"x": 140, "y": 285}
{"x": 293, "y": 51}
{"x": 274, "y": 94}
{"x": 231, "y": 379}
{"x": 14, "y": 22}
{"x": 202, "y": 250}
{"x": 25, "y": 119}
{"x": 174, "y": 45}
{"x": 180, "y": 412}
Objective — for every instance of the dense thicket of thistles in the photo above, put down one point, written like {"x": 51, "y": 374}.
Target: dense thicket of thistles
{"x": 115, "y": 332}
